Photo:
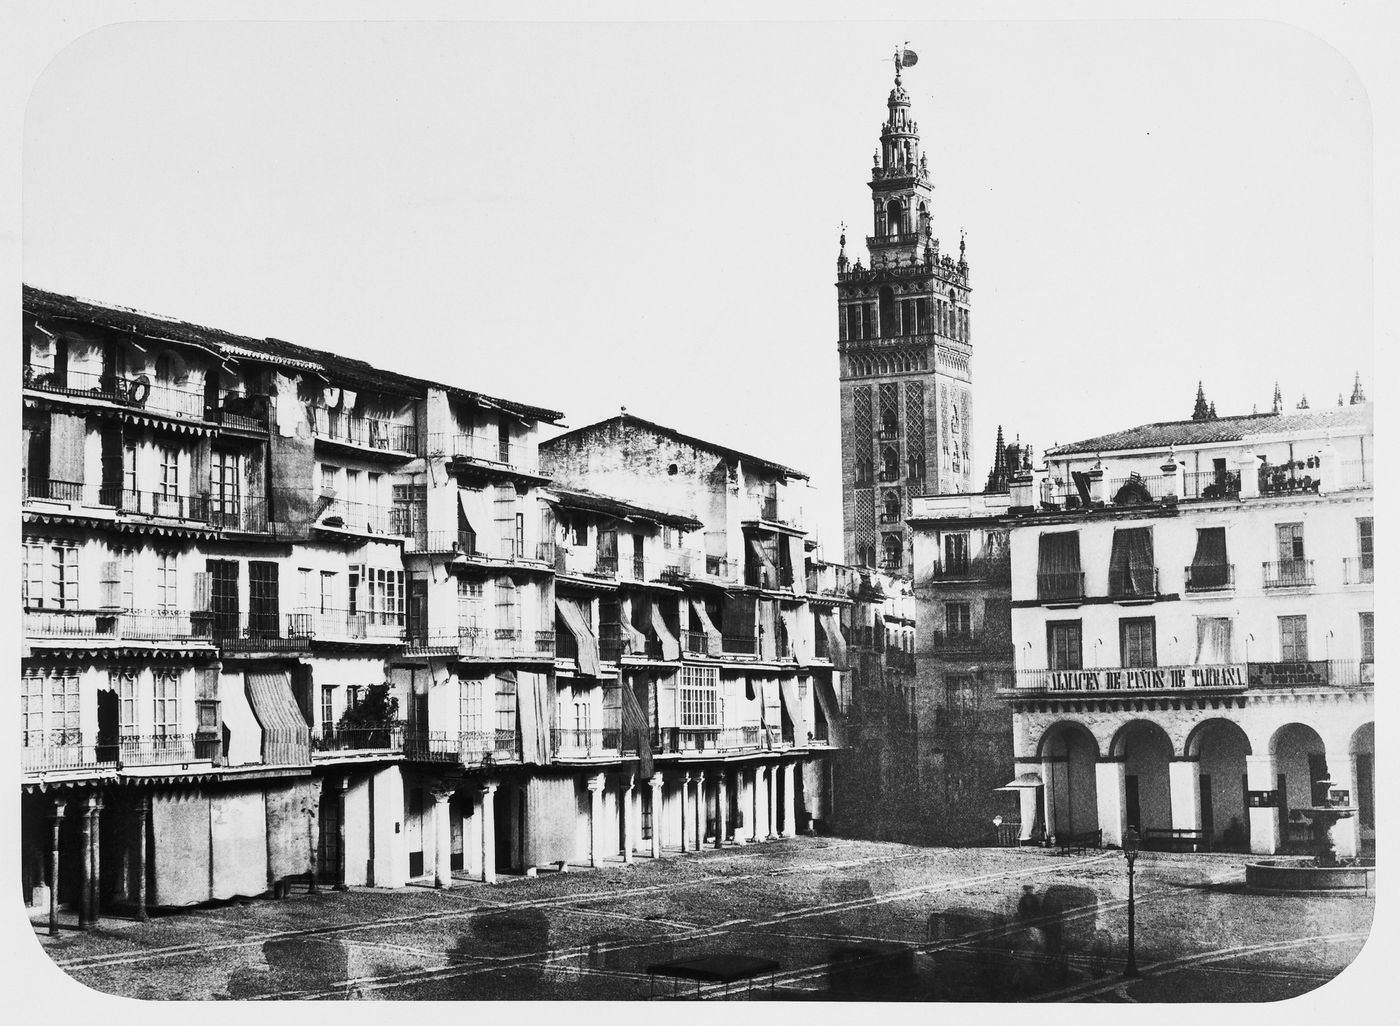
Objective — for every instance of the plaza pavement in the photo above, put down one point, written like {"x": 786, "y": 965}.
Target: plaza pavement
{"x": 844, "y": 919}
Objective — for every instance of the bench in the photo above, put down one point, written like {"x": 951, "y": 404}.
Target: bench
{"x": 1070, "y": 843}
{"x": 1166, "y": 839}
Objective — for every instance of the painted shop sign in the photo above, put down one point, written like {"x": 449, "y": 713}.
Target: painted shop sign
{"x": 1285, "y": 675}
{"x": 1158, "y": 678}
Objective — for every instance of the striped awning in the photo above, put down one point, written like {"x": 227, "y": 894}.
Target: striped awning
{"x": 286, "y": 737}
{"x": 576, "y": 621}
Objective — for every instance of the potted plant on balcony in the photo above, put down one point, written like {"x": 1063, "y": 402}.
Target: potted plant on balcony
{"x": 370, "y": 723}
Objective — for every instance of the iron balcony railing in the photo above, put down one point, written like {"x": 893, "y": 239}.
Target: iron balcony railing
{"x": 345, "y": 625}
{"x": 261, "y": 629}
{"x": 978, "y": 568}
{"x": 586, "y": 742}
{"x": 759, "y": 575}
{"x": 768, "y": 508}
{"x": 431, "y": 746}
{"x": 236, "y": 513}
{"x": 458, "y": 543}
{"x": 505, "y": 643}
{"x": 1342, "y": 673}
{"x": 583, "y": 562}
{"x": 739, "y": 644}
{"x": 1289, "y": 573}
{"x": 695, "y": 643}
{"x": 1212, "y": 484}
{"x": 1131, "y": 583}
{"x": 954, "y": 640}
{"x": 241, "y": 410}
{"x": 140, "y": 391}
{"x": 679, "y": 740}
{"x": 138, "y": 750}
{"x": 1060, "y": 585}
{"x": 170, "y": 505}
{"x": 1357, "y": 473}
{"x": 365, "y": 432}
{"x": 45, "y": 750}
{"x": 1202, "y": 577}
{"x": 719, "y": 567}
{"x": 54, "y": 491}
{"x": 610, "y": 641}
{"x": 120, "y": 624}
{"x": 1156, "y": 487}
{"x": 485, "y": 449}
{"x": 386, "y": 737}
{"x": 897, "y": 658}
{"x": 466, "y": 747}
{"x": 1358, "y": 570}
{"x": 399, "y": 520}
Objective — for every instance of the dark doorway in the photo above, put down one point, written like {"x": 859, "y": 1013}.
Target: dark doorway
{"x": 1207, "y": 807}
{"x": 1130, "y": 786}
{"x": 223, "y": 596}
{"x": 736, "y": 807}
{"x": 328, "y": 845}
{"x": 414, "y": 817}
{"x": 500, "y": 809}
{"x": 264, "y": 620}
{"x": 1317, "y": 771}
{"x": 799, "y": 801}
{"x": 107, "y": 726}
{"x": 781, "y": 791}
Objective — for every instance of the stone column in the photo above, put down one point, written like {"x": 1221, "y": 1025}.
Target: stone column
{"x": 85, "y": 850}
{"x": 627, "y": 792}
{"x": 1264, "y": 826}
{"x": 1095, "y": 477}
{"x": 721, "y": 807}
{"x": 656, "y": 806}
{"x": 1048, "y": 771}
{"x": 340, "y": 867}
{"x": 442, "y": 835}
{"x": 770, "y": 799}
{"x": 741, "y": 803}
{"x": 55, "y": 818}
{"x": 790, "y": 800}
{"x": 1184, "y": 778}
{"x": 595, "y": 819}
{"x": 143, "y": 808}
{"x": 95, "y": 891}
{"x": 699, "y": 810}
{"x": 1029, "y": 806}
{"x": 1247, "y": 465}
{"x": 1172, "y": 485}
{"x": 486, "y": 809}
{"x": 1113, "y": 799}
{"x": 685, "y": 812}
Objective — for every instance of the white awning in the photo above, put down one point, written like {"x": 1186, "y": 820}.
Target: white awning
{"x": 1024, "y": 781}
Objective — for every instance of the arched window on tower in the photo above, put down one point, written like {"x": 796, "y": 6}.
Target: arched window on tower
{"x": 893, "y": 549}
{"x": 865, "y": 470}
{"x": 891, "y": 508}
{"x": 888, "y": 327}
{"x": 895, "y": 218}
{"x": 889, "y": 459}
{"x": 889, "y": 424}
{"x": 923, "y": 218}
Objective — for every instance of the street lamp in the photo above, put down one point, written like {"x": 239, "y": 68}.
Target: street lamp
{"x": 1131, "y": 843}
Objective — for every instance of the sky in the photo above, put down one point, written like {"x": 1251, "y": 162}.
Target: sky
{"x": 585, "y": 217}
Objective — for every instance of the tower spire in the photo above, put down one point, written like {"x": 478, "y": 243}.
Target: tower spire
{"x": 1278, "y": 398}
{"x": 1202, "y": 411}
{"x": 1357, "y": 394}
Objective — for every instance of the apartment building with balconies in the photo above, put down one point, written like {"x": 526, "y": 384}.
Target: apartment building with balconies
{"x": 962, "y": 583}
{"x": 1193, "y": 617}
{"x": 735, "y": 671}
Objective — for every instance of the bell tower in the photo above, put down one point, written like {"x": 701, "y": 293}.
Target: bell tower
{"x": 904, "y": 341}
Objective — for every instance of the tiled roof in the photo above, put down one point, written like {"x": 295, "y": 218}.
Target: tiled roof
{"x": 1185, "y": 433}
{"x": 273, "y": 350}
{"x": 577, "y": 498}
{"x": 626, "y": 419}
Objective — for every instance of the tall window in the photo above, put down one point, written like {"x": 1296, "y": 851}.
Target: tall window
{"x": 169, "y": 472}
{"x": 470, "y": 598}
{"x": 961, "y": 698}
{"x": 1368, "y": 637}
{"x": 31, "y": 711}
{"x": 65, "y": 725}
{"x": 327, "y": 706}
{"x": 49, "y": 575}
{"x": 223, "y": 483}
{"x": 1064, "y": 644}
{"x": 328, "y": 476}
{"x": 507, "y": 608}
{"x": 1365, "y": 543}
{"x": 166, "y": 706}
{"x": 129, "y": 478}
{"x": 505, "y": 705}
{"x": 955, "y": 553}
{"x": 1137, "y": 640}
{"x": 699, "y": 696}
{"x": 354, "y": 486}
{"x": 327, "y": 595}
{"x": 957, "y": 618}
{"x": 1290, "y": 542}
{"x": 124, "y": 684}
{"x": 386, "y": 596}
{"x": 167, "y": 582}
{"x": 127, "y": 560}
{"x": 1293, "y": 639}
{"x": 469, "y": 715}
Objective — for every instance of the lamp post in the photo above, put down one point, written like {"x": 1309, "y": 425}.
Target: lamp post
{"x": 1130, "y": 851}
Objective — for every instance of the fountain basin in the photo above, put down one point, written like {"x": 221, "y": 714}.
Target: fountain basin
{"x": 1306, "y": 878}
